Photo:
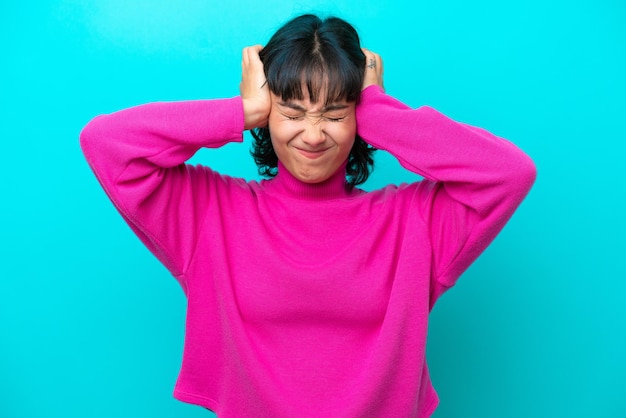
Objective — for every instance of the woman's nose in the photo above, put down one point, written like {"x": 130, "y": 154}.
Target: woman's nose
{"x": 314, "y": 134}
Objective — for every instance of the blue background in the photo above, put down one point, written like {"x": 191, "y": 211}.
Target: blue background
{"x": 92, "y": 325}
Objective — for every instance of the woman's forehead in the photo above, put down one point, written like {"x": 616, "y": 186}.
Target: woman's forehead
{"x": 306, "y": 104}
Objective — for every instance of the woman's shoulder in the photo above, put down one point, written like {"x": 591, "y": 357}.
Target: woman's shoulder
{"x": 412, "y": 196}
{"x": 391, "y": 191}
{"x": 224, "y": 184}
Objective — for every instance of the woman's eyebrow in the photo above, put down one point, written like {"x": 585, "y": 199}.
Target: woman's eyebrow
{"x": 328, "y": 108}
{"x": 292, "y": 105}
{"x": 334, "y": 106}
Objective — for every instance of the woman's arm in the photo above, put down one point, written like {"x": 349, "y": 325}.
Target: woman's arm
{"x": 474, "y": 180}
{"x": 138, "y": 155}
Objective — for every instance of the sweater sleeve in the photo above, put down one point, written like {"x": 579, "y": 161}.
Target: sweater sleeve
{"x": 473, "y": 180}
{"x": 138, "y": 155}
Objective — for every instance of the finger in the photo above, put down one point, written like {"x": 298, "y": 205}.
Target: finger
{"x": 255, "y": 49}
{"x": 244, "y": 58}
{"x": 251, "y": 54}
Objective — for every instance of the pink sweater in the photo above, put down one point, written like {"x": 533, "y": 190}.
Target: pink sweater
{"x": 308, "y": 300}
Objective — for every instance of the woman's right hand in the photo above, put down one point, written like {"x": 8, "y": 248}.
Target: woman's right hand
{"x": 255, "y": 93}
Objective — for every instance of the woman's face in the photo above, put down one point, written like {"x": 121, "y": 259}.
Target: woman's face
{"x": 312, "y": 140}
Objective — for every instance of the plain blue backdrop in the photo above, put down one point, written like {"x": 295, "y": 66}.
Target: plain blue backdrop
{"x": 92, "y": 326}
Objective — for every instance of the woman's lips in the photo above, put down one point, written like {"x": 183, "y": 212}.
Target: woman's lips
{"x": 312, "y": 154}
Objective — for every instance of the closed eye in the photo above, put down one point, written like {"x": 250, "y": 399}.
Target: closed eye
{"x": 293, "y": 117}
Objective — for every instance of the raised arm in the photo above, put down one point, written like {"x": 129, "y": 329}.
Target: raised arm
{"x": 474, "y": 180}
{"x": 138, "y": 155}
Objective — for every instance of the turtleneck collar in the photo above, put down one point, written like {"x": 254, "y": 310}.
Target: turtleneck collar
{"x": 285, "y": 183}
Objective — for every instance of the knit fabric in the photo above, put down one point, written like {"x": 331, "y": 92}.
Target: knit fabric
{"x": 308, "y": 300}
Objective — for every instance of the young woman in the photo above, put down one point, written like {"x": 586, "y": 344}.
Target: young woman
{"x": 308, "y": 297}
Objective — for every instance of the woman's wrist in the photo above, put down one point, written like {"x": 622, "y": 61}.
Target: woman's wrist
{"x": 255, "y": 116}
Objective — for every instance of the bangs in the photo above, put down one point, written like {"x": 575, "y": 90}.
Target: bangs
{"x": 300, "y": 74}
{"x": 319, "y": 60}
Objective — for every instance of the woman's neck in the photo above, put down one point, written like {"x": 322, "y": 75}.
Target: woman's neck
{"x": 331, "y": 188}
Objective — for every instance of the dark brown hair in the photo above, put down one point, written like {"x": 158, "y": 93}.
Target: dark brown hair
{"x": 321, "y": 55}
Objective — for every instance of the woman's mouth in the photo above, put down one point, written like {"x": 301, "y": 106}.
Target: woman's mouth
{"x": 312, "y": 154}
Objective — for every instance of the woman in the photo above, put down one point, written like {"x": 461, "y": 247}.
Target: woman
{"x": 306, "y": 295}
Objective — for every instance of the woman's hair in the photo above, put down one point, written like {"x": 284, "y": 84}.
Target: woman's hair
{"x": 325, "y": 56}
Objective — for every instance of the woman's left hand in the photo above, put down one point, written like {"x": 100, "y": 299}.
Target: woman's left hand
{"x": 373, "y": 69}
